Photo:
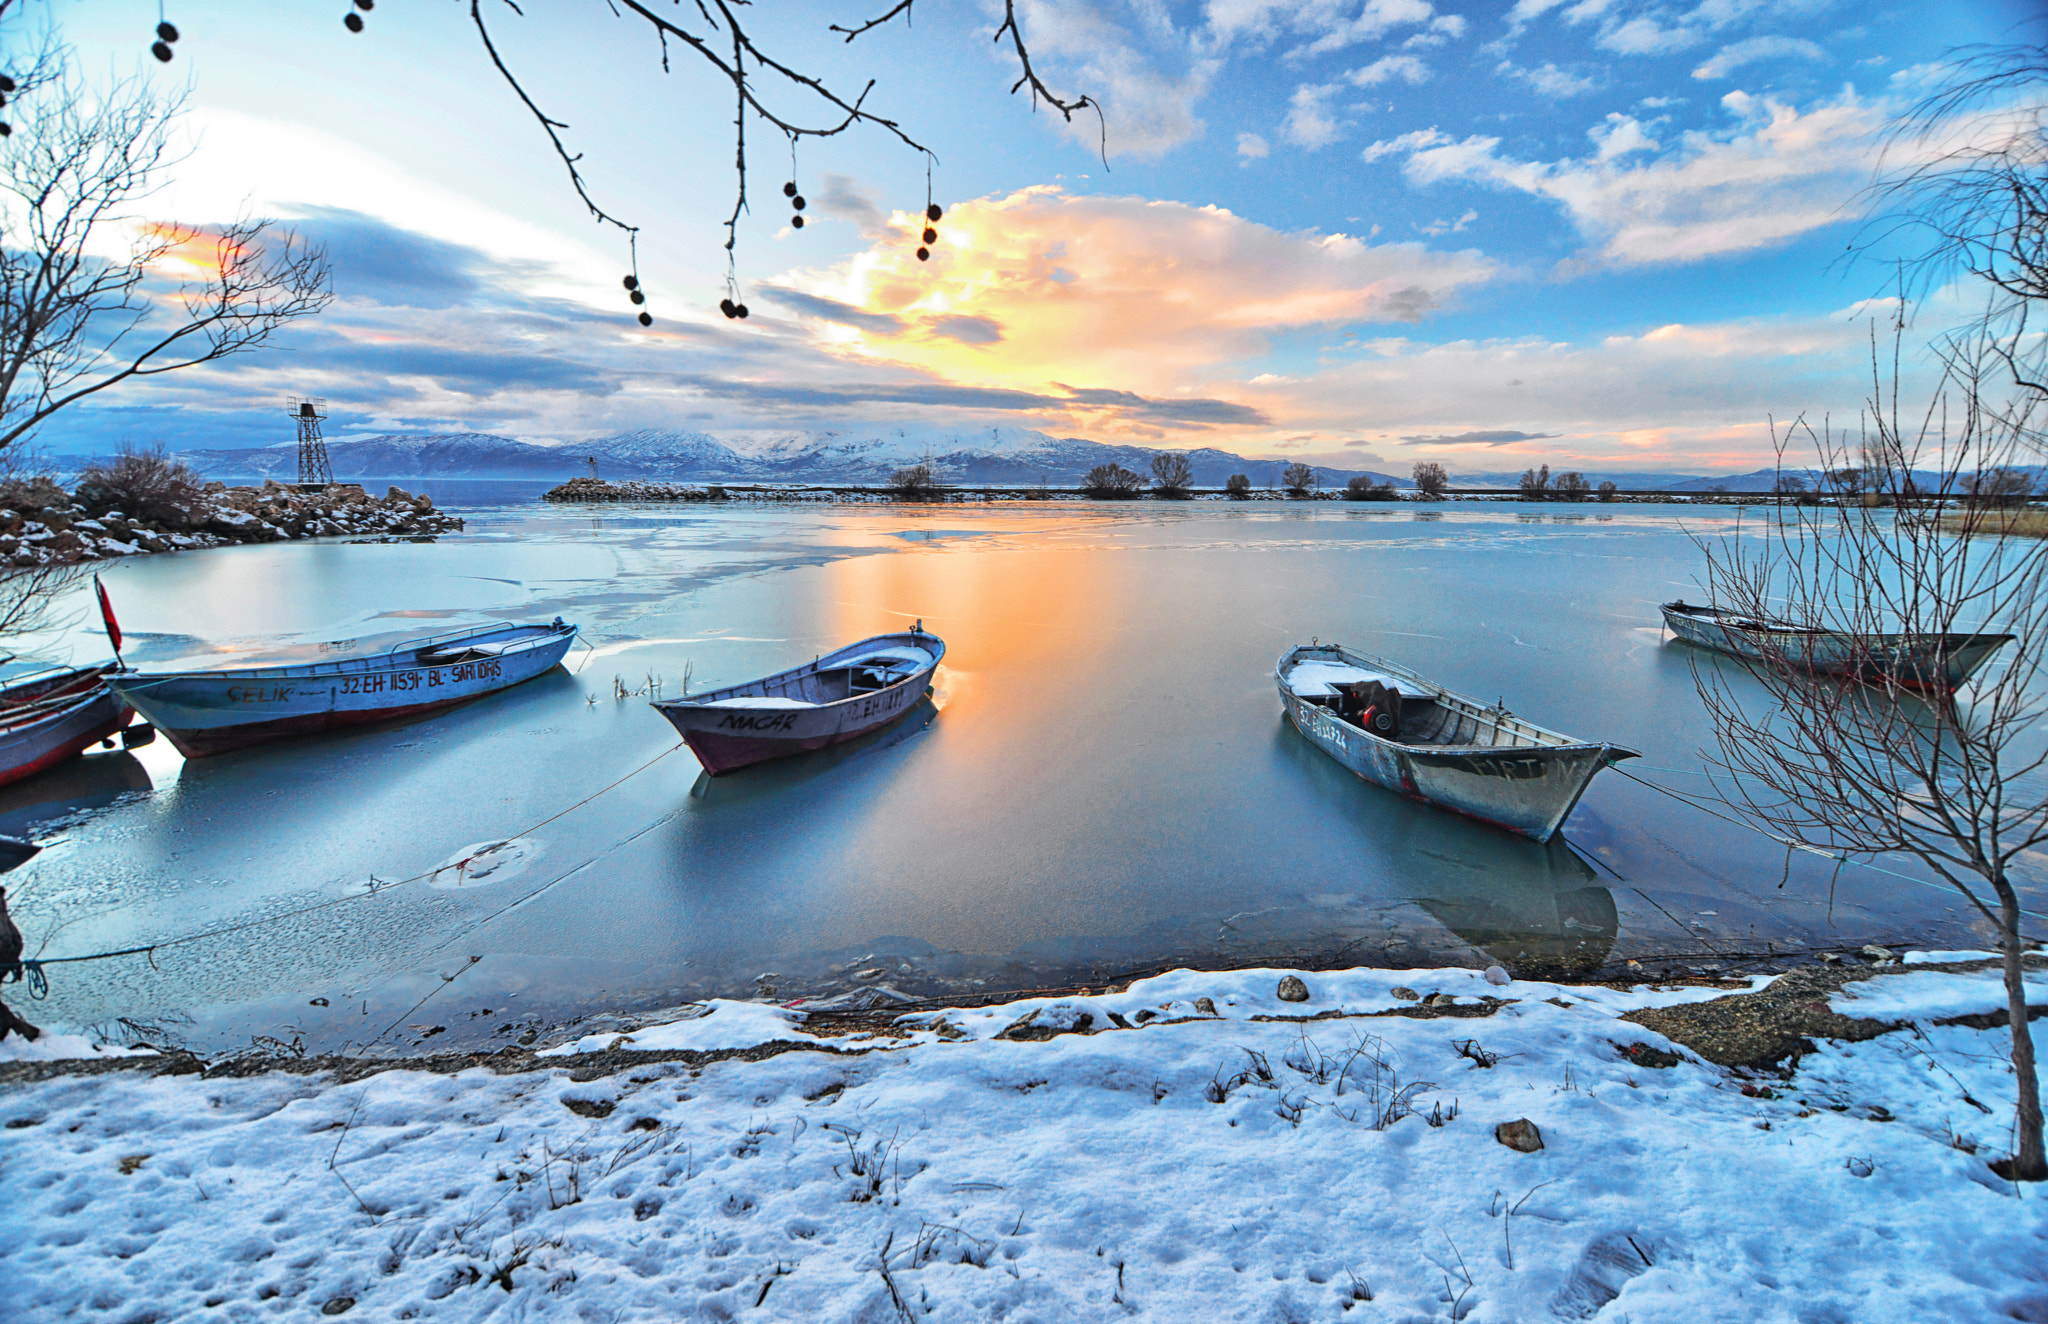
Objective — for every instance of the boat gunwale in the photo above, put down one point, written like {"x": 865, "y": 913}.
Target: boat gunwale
{"x": 11, "y": 729}
{"x": 1732, "y": 620}
{"x": 1499, "y": 716}
{"x": 389, "y": 660}
{"x": 824, "y": 662}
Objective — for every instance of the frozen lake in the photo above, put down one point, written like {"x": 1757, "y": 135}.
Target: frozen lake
{"x": 1103, "y": 782}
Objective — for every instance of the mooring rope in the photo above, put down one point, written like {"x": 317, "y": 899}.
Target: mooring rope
{"x": 33, "y": 970}
{"x": 1839, "y": 860}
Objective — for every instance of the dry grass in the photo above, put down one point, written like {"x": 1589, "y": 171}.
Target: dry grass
{"x": 1994, "y": 523}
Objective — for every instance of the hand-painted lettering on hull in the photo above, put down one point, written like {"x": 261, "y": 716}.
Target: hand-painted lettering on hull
{"x": 842, "y": 696}
{"x": 211, "y": 712}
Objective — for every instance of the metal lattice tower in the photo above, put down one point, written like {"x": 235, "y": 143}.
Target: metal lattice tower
{"x": 314, "y": 470}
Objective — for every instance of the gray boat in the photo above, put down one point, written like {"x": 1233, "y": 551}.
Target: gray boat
{"x": 1917, "y": 661}
{"x": 842, "y": 694}
{"x": 247, "y": 700}
{"x": 1412, "y": 736}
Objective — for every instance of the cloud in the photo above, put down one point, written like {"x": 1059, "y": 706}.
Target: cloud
{"x": 1148, "y": 296}
{"x": 1407, "y": 142}
{"x": 1777, "y": 173}
{"x": 1147, "y": 77}
{"x": 844, "y": 199}
{"x": 838, "y": 396}
{"x": 1251, "y": 147}
{"x": 1309, "y": 123}
{"x": 967, "y": 330}
{"x": 831, "y": 310}
{"x": 1404, "y": 67}
{"x": 1551, "y": 81}
{"x": 1734, "y": 57}
{"x": 1644, "y": 35}
{"x": 1328, "y": 25}
{"x": 1494, "y": 438}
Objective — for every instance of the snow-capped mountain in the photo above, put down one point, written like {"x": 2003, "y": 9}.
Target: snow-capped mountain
{"x": 973, "y": 457}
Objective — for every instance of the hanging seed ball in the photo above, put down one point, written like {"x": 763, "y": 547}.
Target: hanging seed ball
{"x": 728, "y": 307}
{"x": 797, "y": 202}
{"x": 6, "y": 83}
{"x": 932, "y": 213}
{"x": 631, "y": 282}
{"x": 924, "y": 254}
{"x": 646, "y": 319}
{"x": 637, "y": 297}
{"x": 796, "y": 222}
{"x": 789, "y": 189}
{"x": 167, "y": 32}
{"x": 931, "y": 236}
{"x": 163, "y": 52}
{"x": 353, "y": 22}
{"x": 366, "y": 5}
{"x": 6, "y": 130}
{"x": 740, "y": 308}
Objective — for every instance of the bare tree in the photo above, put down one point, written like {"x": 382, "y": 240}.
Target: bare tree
{"x": 1299, "y": 479}
{"x": 916, "y": 483}
{"x": 1972, "y": 189}
{"x": 1239, "y": 486}
{"x": 1112, "y": 481}
{"x": 73, "y": 324}
{"x": 1535, "y": 483}
{"x": 1571, "y": 485}
{"x": 1172, "y": 474}
{"x": 1885, "y": 764}
{"x": 1607, "y": 490}
{"x": 1362, "y": 487}
{"x": 1431, "y": 479}
{"x": 768, "y": 92}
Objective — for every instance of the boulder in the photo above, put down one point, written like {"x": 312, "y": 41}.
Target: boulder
{"x": 1292, "y": 989}
{"x": 1520, "y": 1134}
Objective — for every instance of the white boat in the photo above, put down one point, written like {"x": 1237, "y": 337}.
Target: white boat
{"x": 248, "y": 701}
{"x": 1414, "y": 737}
{"x": 1917, "y": 661}
{"x": 51, "y": 713}
{"x": 840, "y": 695}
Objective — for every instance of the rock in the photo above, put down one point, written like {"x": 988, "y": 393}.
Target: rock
{"x": 398, "y": 494}
{"x": 1292, "y": 990}
{"x": 1520, "y": 1134}
{"x": 1879, "y": 955}
{"x": 339, "y": 1305}
{"x": 1405, "y": 993}
{"x": 1498, "y": 976}
{"x": 1207, "y": 1006}
{"x": 591, "y": 1108}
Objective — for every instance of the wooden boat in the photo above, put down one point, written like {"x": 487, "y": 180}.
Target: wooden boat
{"x": 51, "y": 713}
{"x": 841, "y": 695}
{"x": 296, "y": 692}
{"x": 1918, "y": 661}
{"x": 1397, "y": 730}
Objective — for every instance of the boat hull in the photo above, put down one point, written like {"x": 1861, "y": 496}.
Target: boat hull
{"x": 1528, "y": 789}
{"x": 1916, "y": 661}
{"x": 205, "y": 713}
{"x": 728, "y": 738}
{"x": 62, "y": 734}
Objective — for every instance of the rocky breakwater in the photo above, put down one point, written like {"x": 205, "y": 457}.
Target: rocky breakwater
{"x": 596, "y": 489}
{"x": 41, "y": 524}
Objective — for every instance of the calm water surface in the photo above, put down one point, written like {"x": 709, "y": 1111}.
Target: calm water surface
{"x": 1102, "y": 782}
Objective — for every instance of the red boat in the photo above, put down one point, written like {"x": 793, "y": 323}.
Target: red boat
{"x": 50, "y": 713}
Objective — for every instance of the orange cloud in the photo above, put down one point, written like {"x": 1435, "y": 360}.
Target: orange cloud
{"x": 1042, "y": 288}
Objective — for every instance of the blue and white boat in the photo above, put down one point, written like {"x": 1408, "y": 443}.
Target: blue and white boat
{"x": 245, "y": 701}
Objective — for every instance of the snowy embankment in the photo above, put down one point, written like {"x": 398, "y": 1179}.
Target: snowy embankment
{"x": 225, "y": 516}
{"x": 1085, "y": 1158}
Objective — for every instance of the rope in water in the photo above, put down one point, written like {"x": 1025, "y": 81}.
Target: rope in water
{"x": 32, "y": 971}
{"x": 1694, "y": 802}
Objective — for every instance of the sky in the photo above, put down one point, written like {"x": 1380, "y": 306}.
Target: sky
{"x": 1618, "y": 234}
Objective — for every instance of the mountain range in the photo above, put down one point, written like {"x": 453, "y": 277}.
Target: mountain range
{"x": 986, "y": 457}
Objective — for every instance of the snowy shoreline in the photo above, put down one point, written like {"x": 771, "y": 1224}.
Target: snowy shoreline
{"x": 1083, "y": 1157}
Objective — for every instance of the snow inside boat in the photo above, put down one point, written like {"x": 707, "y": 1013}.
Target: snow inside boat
{"x": 50, "y": 713}
{"x": 210, "y": 710}
{"x": 839, "y": 696}
{"x": 1917, "y": 661}
{"x": 1412, "y": 736}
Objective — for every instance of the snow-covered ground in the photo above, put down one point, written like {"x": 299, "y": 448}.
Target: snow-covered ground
{"x": 1192, "y": 1166}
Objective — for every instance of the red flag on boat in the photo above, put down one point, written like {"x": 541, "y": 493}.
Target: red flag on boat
{"x": 107, "y": 614}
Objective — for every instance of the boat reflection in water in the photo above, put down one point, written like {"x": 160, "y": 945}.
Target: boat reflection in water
{"x": 93, "y": 781}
